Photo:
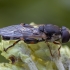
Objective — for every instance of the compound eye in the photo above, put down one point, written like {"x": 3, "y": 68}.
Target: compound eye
{"x": 65, "y": 34}
{"x": 41, "y": 28}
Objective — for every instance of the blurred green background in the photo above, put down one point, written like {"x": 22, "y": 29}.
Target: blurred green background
{"x": 38, "y": 11}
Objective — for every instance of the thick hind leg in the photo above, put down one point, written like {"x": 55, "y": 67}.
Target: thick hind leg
{"x": 58, "y": 43}
{"x": 50, "y": 50}
{"x": 59, "y": 50}
{"x": 11, "y": 45}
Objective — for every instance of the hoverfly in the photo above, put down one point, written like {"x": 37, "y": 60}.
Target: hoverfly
{"x": 32, "y": 35}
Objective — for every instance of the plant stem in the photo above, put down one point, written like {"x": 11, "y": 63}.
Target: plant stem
{"x": 59, "y": 64}
{"x": 30, "y": 64}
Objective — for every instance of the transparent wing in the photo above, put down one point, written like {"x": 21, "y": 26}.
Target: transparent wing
{"x": 18, "y": 31}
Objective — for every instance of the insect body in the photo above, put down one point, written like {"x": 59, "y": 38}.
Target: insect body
{"x": 18, "y": 31}
{"x": 32, "y": 35}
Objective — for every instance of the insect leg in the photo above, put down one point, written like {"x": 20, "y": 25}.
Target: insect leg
{"x": 50, "y": 50}
{"x": 11, "y": 45}
{"x": 58, "y": 48}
